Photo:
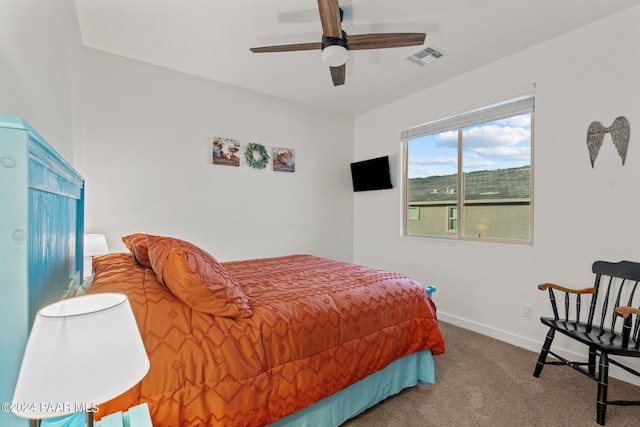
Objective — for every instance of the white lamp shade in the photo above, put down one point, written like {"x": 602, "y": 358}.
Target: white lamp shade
{"x": 95, "y": 244}
{"x": 334, "y": 55}
{"x": 81, "y": 352}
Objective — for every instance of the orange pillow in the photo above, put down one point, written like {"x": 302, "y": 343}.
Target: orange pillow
{"x": 137, "y": 244}
{"x": 196, "y": 278}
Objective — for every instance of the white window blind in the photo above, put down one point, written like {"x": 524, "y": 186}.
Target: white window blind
{"x": 510, "y": 108}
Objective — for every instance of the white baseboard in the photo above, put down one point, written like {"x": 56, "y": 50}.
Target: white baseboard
{"x": 529, "y": 344}
{"x": 498, "y": 334}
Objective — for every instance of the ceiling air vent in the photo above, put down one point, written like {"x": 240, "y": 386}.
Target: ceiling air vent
{"x": 426, "y": 55}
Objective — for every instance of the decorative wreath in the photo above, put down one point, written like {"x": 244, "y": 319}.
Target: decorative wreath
{"x": 263, "y": 157}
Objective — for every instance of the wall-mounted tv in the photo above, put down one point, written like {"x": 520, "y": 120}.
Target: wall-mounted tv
{"x": 372, "y": 174}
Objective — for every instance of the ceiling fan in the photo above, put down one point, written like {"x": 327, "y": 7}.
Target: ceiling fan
{"x": 335, "y": 42}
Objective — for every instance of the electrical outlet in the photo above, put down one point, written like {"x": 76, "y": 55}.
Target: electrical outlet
{"x": 526, "y": 310}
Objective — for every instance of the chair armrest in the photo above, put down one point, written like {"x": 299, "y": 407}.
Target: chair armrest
{"x": 577, "y": 292}
{"x": 545, "y": 286}
{"x": 625, "y": 311}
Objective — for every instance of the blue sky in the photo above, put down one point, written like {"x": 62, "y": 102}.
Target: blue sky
{"x": 498, "y": 144}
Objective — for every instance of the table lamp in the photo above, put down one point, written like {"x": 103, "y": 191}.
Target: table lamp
{"x": 94, "y": 245}
{"x": 81, "y": 352}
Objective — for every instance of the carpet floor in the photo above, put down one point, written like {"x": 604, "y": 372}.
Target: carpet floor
{"x": 481, "y": 381}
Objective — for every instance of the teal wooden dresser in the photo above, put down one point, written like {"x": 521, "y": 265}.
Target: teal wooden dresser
{"x": 41, "y": 231}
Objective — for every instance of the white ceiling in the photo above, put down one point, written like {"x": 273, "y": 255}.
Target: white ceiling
{"x": 211, "y": 39}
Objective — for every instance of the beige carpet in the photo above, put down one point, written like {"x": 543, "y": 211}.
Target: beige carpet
{"x": 481, "y": 381}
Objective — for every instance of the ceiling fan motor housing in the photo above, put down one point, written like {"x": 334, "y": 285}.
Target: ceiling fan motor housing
{"x": 330, "y": 41}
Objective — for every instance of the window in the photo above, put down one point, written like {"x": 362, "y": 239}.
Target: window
{"x": 452, "y": 224}
{"x": 414, "y": 213}
{"x": 469, "y": 176}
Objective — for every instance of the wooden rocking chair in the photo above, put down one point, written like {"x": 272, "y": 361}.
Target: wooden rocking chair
{"x": 609, "y": 328}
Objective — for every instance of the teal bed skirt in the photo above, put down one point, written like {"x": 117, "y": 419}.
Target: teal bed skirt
{"x": 417, "y": 368}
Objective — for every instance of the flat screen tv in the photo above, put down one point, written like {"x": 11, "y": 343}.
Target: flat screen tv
{"x": 372, "y": 174}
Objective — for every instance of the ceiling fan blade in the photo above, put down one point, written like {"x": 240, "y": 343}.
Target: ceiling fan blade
{"x": 330, "y": 18}
{"x": 287, "y": 47}
{"x": 338, "y": 74}
{"x": 384, "y": 40}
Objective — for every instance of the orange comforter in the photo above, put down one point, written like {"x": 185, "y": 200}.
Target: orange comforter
{"x": 318, "y": 326}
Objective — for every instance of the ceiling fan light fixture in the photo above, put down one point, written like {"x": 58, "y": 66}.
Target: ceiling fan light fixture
{"x": 334, "y": 51}
{"x": 334, "y": 56}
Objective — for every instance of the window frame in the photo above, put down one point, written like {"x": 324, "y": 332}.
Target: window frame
{"x": 507, "y": 108}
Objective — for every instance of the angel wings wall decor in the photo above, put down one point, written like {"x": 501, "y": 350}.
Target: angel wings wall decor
{"x": 619, "y": 130}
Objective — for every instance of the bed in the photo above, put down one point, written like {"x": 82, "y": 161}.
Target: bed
{"x": 282, "y": 335}
{"x": 239, "y": 343}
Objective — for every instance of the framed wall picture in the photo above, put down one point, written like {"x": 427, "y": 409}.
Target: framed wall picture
{"x": 225, "y": 151}
{"x": 284, "y": 159}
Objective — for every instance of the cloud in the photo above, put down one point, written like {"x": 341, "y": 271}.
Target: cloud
{"x": 435, "y": 161}
{"x": 505, "y": 153}
{"x": 492, "y": 141}
{"x": 478, "y": 165}
{"x": 421, "y": 172}
{"x": 523, "y": 120}
{"x": 421, "y": 167}
{"x": 478, "y": 138}
{"x": 447, "y": 139}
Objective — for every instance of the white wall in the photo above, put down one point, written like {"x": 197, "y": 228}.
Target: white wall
{"x": 146, "y": 135}
{"x": 581, "y": 214}
{"x": 38, "y": 41}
